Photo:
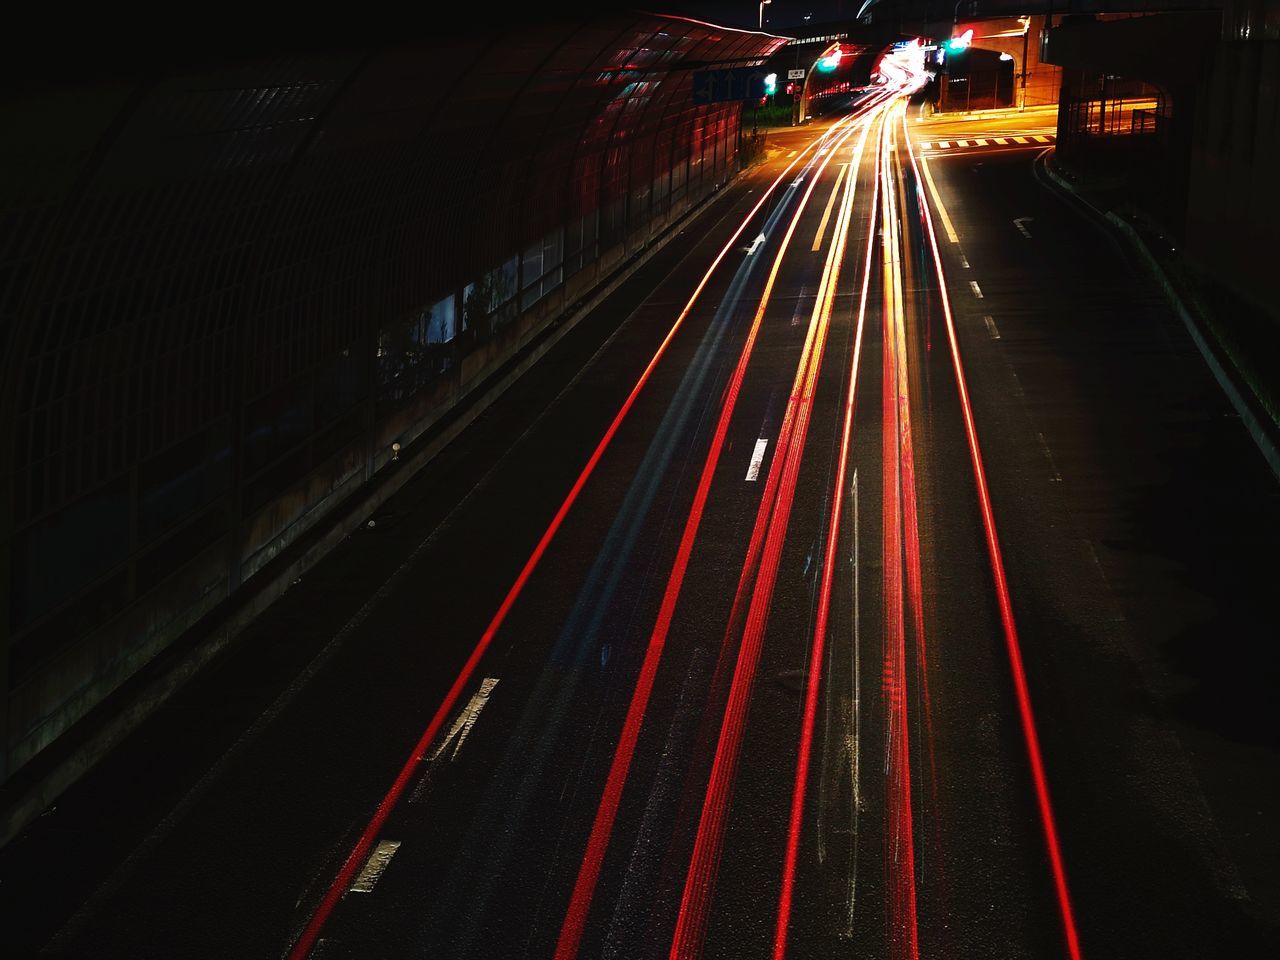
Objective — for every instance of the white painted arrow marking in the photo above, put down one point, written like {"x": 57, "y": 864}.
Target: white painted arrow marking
{"x": 465, "y": 721}
{"x": 754, "y": 244}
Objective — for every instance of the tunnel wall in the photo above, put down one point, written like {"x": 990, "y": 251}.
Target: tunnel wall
{"x": 227, "y": 289}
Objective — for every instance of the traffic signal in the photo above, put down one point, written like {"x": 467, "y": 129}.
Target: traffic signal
{"x": 771, "y": 85}
{"x": 956, "y": 44}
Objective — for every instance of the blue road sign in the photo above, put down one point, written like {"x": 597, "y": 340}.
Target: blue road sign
{"x": 720, "y": 86}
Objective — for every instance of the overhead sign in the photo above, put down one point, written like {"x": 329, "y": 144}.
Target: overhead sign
{"x": 720, "y": 86}
{"x": 795, "y": 74}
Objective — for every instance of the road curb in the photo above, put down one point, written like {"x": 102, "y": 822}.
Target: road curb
{"x": 1262, "y": 429}
{"x": 34, "y": 789}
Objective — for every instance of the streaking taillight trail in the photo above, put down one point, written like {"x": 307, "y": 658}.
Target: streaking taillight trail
{"x": 307, "y": 937}
{"x": 1003, "y": 599}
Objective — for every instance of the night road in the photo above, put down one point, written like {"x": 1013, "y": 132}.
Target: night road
{"x": 878, "y": 571}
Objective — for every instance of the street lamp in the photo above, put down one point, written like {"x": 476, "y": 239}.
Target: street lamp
{"x": 763, "y": 4}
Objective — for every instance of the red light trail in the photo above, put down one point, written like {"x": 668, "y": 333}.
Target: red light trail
{"x": 306, "y": 940}
{"x": 1005, "y": 602}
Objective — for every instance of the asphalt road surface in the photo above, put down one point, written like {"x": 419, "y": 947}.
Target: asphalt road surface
{"x": 878, "y": 573}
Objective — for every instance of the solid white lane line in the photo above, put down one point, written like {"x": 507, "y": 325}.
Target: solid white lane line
{"x": 937, "y": 202}
{"x": 991, "y": 328}
{"x": 375, "y": 866}
{"x": 977, "y": 290}
{"x": 757, "y": 458}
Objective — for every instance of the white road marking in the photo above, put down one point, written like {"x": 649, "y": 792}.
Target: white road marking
{"x": 755, "y": 244}
{"x": 826, "y": 214}
{"x": 937, "y": 201}
{"x": 792, "y": 154}
{"x": 964, "y": 261}
{"x": 944, "y": 144}
{"x": 962, "y": 143}
{"x": 1019, "y": 139}
{"x": 465, "y": 720}
{"x": 977, "y": 290}
{"x": 458, "y": 733}
{"x": 1001, "y": 140}
{"x": 991, "y": 328}
{"x": 981, "y": 143}
{"x": 757, "y": 458}
{"x": 375, "y": 866}
{"x": 1041, "y": 139}
{"x": 1021, "y": 224}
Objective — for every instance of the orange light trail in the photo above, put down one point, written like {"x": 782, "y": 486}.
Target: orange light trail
{"x": 770, "y": 527}
{"x": 575, "y": 920}
{"x": 814, "y": 681}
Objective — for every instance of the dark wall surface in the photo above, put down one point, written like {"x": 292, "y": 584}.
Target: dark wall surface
{"x": 230, "y": 282}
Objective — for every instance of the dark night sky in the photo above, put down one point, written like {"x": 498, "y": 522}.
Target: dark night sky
{"x": 133, "y": 39}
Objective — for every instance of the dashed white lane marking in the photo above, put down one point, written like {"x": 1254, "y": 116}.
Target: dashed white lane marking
{"x": 977, "y": 290}
{"x": 991, "y": 328}
{"x": 962, "y": 143}
{"x": 1021, "y": 224}
{"x": 757, "y": 458}
{"x": 375, "y": 866}
{"x": 944, "y": 144}
{"x": 1001, "y": 140}
{"x": 964, "y": 261}
{"x": 1040, "y": 139}
{"x": 792, "y": 154}
{"x": 1020, "y": 140}
{"x": 980, "y": 143}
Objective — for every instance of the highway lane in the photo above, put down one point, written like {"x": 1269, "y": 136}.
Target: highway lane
{"x": 1098, "y": 413}
{"x": 756, "y": 694}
